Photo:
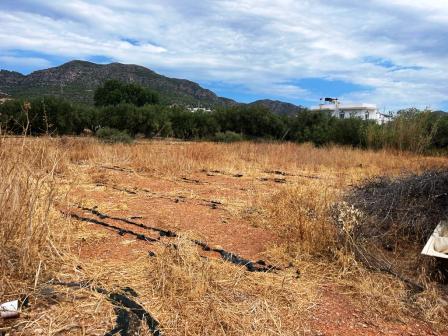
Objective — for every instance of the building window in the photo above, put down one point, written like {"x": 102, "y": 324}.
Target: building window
{"x": 367, "y": 115}
{"x": 341, "y": 115}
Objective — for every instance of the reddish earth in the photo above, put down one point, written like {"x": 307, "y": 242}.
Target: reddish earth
{"x": 209, "y": 207}
{"x": 336, "y": 315}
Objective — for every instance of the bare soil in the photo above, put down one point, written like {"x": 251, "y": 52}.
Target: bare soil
{"x": 211, "y": 207}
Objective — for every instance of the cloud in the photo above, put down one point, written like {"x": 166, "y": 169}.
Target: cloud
{"x": 20, "y": 61}
{"x": 395, "y": 48}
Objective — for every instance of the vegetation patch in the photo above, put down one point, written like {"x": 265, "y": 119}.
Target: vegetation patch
{"x": 227, "y": 136}
{"x": 111, "y": 135}
{"x": 390, "y": 220}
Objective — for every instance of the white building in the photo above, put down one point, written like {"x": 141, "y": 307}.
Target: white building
{"x": 4, "y": 97}
{"x": 199, "y": 109}
{"x": 192, "y": 109}
{"x": 345, "y": 111}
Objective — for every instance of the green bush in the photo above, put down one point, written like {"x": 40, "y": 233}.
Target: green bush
{"x": 227, "y": 136}
{"x": 411, "y": 130}
{"x": 112, "y": 135}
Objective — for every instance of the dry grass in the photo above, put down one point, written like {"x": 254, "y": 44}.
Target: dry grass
{"x": 168, "y": 158}
{"x": 188, "y": 294}
{"x": 30, "y": 235}
{"x": 213, "y": 297}
{"x": 299, "y": 215}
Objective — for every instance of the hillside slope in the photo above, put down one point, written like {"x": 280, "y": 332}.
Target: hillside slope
{"x": 278, "y": 107}
{"x": 77, "y": 81}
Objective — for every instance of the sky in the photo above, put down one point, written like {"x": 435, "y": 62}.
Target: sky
{"x": 393, "y": 53}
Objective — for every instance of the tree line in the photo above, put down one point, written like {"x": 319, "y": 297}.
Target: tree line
{"x": 133, "y": 110}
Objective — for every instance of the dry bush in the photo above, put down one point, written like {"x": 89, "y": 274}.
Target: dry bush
{"x": 29, "y": 232}
{"x": 209, "y": 297}
{"x": 407, "y": 208}
{"x": 302, "y": 216}
{"x": 433, "y": 305}
{"x": 396, "y": 218}
{"x": 381, "y": 295}
{"x": 299, "y": 215}
{"x": 386, "y": 296}
{"x": 383, "y": 226}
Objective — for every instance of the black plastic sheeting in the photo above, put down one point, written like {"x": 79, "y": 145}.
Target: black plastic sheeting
{"x": 126, "y": 310}
{"x": 251, "y": 266}
{"x": 119, "y": 230}
{"x": 161, "y": 232}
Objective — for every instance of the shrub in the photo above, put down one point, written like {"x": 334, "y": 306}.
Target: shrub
{"x": 112, "y": 135}
{"x": 227, "y": 136}
{"x": 411, "y": 130}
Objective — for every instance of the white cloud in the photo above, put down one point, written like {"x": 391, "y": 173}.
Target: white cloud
{"x": 256, "y": 44}
{"x": 17, "y": 61}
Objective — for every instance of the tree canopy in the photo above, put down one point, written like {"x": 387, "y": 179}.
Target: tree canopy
{"x": 132, "y": 109}
{"x": 113, "y": 93}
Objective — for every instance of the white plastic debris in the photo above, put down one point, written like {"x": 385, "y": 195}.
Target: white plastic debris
{"x": 9, "y": 310}
{"x": 10, "y": 306}
{"x": 437, "y": 245}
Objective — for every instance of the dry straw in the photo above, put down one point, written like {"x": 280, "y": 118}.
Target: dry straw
{"x": 187, "y": 293}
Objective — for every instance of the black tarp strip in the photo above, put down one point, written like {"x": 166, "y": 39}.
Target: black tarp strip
{"x": 124, "y": 305}
{"x": 162, "y": 232}
{"x": 251, "y": 266}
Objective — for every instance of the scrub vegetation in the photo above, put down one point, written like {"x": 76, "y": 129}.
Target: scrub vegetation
{"x": 136, "y": 111}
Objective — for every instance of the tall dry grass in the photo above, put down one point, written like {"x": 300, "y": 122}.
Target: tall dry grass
{"x": 29, "y": 229}
{"x": 300, "y": 216}
{"x": 187, "y": 293}
{"x": 165, "y": 158}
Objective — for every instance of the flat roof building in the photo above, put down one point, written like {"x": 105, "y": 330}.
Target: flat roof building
{"x": 345, "y": 111}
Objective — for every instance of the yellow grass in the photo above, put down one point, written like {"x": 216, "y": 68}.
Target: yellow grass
{"x": 30, "y": 235}
{"x": 188, "y": 294}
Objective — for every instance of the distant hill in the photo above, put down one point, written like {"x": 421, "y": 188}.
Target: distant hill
{"x": 77, "y": 81}
{"x": 279, "y": 107}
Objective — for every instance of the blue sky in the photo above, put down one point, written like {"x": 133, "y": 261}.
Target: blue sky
{"x": 389, "y": 52}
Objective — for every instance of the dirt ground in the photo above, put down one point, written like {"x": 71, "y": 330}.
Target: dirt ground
{"x": 128, "y": 221}
{"x": 210, "y": 205}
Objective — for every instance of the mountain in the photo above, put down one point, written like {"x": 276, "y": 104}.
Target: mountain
{"x": 9, "y": 80}
{"x": 77, "y": 81}
{"x": 278, "y": 107}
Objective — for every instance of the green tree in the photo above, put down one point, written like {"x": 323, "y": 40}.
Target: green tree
{"x": 440, "y": 139}
{"x": 251, "y": 121}
{"x": 310, "y": 126}
{"x": 114, "y": 92}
